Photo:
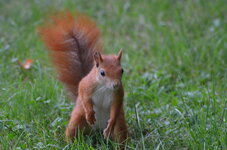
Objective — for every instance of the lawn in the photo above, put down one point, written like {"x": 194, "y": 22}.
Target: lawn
{"x": 175, "y": 63}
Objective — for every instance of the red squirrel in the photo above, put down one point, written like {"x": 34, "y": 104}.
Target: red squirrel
{"x": 92, "y": 79}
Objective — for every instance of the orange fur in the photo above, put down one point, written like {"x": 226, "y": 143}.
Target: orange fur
{"x": 71, "y": 42}
{"x": 93, "y": 79}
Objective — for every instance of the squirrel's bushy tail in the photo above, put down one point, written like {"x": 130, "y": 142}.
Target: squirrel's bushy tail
{"x": 71, "y": 42}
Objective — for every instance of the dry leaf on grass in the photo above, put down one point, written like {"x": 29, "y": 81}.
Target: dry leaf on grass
{"x": 26, "y": 65}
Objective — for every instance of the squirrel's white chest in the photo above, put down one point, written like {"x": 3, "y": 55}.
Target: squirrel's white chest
{"x": 102, "y": 100}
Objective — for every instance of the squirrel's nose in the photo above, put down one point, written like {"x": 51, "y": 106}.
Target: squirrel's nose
{"x": 116, "y": 84}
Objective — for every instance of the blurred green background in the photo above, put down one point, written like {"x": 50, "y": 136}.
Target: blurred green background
{"x": 175, "y": 62}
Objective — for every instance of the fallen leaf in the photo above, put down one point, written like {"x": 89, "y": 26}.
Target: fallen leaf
{"x": 27, "y": 64}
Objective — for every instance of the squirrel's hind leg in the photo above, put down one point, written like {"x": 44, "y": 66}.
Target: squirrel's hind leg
{"x": 120, "y": 132}
{"x": 76, "y": 122}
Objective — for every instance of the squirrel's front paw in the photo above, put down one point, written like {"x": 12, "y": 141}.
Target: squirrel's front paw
{"x": 90, "y": 117}
{"x": 107, "y": 130}
{"x": 106, "y": 133}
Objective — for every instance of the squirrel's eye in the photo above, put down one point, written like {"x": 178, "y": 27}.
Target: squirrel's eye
{"x": 102, "y": 73}
{"x": 122, "y": 71}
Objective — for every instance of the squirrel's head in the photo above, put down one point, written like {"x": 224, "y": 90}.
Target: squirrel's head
{"x": 109, "y": 71}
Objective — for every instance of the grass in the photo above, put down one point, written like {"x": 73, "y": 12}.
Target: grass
{"x": 175, "y": 62}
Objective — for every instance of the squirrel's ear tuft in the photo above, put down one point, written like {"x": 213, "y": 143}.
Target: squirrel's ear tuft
{"x": 119, "y": 55}
{"x": 98, "y": 58}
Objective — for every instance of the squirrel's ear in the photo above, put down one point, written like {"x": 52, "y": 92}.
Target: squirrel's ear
{"x": 119, "y": 55}
{"x": 98, "y": 58}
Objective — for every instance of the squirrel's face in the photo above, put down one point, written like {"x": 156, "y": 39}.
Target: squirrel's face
{"x": 109, "y": 71}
